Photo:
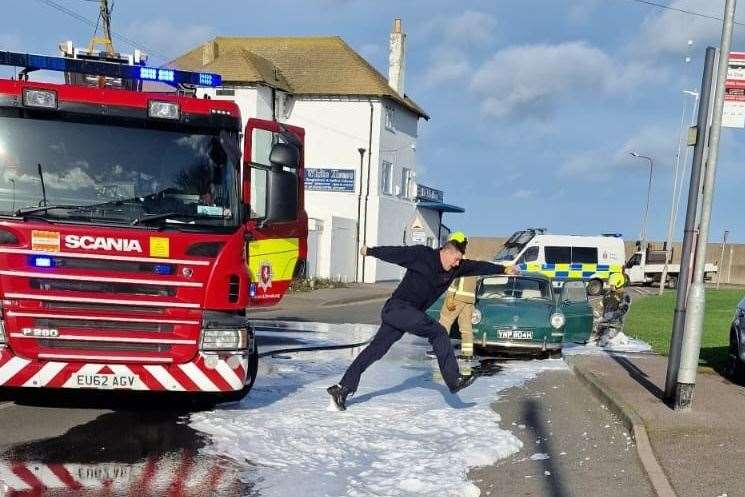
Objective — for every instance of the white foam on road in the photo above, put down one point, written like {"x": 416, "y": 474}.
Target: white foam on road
{"x": 620, "y": 343}
{"x": 403, "y": 434}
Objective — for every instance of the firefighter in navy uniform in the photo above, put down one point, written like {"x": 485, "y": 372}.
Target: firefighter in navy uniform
{"x": 459, "y": 305}
{"x": 429, "y": 272}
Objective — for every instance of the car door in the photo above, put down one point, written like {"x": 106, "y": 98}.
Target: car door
{"x": 577, "y": 311}
{"x": 276, "y": 222}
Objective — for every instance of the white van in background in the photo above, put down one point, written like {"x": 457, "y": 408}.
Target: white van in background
{"x": 566, "y": 257}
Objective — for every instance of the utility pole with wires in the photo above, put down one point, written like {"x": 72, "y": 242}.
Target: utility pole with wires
{"x": 691, "y": 346}
{"x": 105, "y": 41}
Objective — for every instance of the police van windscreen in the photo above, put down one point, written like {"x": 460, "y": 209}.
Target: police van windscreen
{"x": 121, "y": 171}
{"x": 514, "y": 245}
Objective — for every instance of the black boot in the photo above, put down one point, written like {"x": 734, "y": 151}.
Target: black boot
{"x": 463, "y": 382}
{"x": 339, "y": 395}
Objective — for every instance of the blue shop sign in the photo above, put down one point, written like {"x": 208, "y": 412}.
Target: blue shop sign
{"x": 329, "y": 180}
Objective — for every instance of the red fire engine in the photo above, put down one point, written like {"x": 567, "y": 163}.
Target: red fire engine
{"x": 137, "y": 227}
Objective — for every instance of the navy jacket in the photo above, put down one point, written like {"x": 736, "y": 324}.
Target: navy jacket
{"x": 425, "y": 279}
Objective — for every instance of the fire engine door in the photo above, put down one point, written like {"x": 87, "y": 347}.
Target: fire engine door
{"x": 276, "y": 221}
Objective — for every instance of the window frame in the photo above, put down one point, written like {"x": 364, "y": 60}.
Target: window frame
{"x": 386, "y": 178}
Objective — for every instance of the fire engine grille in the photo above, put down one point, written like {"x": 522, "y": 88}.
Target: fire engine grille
{"x": 102, "y": 324}
{"x": 105, "y": 346}
{"x": 99, "y": 287}
{"x": 109, "y": 265}
{"x": 129, "y": 309}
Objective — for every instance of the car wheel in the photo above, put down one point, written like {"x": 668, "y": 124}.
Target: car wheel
{"x": 735, "y": 367}
{"x": 594, "y": 287}
{"x": 672, "y": 282}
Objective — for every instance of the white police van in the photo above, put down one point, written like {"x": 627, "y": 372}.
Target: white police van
{"x": 566, "y": 257}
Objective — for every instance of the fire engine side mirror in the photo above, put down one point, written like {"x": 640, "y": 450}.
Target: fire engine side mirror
{"x": 284, "y": 155}
{"x": 281, "y": 196}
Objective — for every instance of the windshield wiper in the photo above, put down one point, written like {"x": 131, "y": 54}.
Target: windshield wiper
{"x": 157, "y": 217}
{"x": 32, "y": 210}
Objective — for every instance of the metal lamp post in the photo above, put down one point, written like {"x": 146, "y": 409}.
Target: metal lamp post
{"x": 643, "y": 234}
{"x": 361, "y": 151}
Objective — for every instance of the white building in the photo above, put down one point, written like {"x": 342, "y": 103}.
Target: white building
{"x": 360, "y": 142}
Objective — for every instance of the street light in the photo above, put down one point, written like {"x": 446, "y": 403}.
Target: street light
{"x": 643, "y": 234}
{"x": 361, "y": 151}
{"x": 678, "y": 175}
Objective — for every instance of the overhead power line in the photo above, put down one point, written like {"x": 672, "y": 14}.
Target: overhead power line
{"x": 94, "y": 24}
{"x": 683, "y": 11}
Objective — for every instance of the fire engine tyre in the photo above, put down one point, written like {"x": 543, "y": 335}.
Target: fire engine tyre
{"x": 253, "y": 368}
{"x": 672, "y": 281}
{"x": 594, "y": 287}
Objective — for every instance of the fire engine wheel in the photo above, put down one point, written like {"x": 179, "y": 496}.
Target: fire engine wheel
{"x": 672, "y": 282}
{"x": 253, "y": 368}
{"x": 594, "y": 287}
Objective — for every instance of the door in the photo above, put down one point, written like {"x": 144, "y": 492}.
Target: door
{"x": 276, "y": 222}
{"x": 577, "y": 311}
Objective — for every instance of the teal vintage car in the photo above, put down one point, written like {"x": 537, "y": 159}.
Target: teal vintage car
{"x": 526, "y": 314}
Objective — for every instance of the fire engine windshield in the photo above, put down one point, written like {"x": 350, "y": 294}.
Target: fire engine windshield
{"x": 114, "y": 170}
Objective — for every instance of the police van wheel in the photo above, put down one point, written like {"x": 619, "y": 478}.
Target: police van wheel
{"x": 672, "y": 282}
{"x": 594, "y": 287}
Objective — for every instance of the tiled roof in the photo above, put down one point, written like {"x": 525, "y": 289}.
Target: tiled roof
{"x": 303, "y": 66}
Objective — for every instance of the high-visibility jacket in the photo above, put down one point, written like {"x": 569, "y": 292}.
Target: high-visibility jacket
{"x": 463, "y": 289}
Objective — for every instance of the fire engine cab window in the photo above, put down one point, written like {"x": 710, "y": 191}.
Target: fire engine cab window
{"x": 558, "y": 255}
{"x": 106, "y": 169}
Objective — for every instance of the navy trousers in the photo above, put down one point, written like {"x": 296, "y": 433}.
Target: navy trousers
{"x": 400, "y": 317}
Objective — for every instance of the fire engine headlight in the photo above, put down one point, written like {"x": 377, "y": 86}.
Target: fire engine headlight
{"x": 224, "y": 339}
{"x": 2, "y": 332}
{"x": 557, "y": 320}
{"x": 163, "y": 110}
{"x": 476, "y": 316}
{"x": 40, "y": 98}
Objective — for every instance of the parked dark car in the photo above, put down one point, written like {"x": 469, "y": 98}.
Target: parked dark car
{"x": 736, "y": 356}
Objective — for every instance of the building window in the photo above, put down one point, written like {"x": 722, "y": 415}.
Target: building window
{"x": 388, "y": 112}
{"x": 386, "y": 178}
{"x": 406, "y": 183}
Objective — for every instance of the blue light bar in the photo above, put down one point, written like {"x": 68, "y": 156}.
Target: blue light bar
{"x": 173, "y": 77}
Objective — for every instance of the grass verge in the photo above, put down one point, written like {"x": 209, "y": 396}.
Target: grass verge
{"x": 651, "y": 318}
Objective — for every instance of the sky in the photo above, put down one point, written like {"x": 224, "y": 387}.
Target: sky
{"x": 535, "y": 104}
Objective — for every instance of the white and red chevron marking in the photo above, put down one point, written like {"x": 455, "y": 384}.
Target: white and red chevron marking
{"x": 195, "y": 376}
{"x": 177, "y": 474}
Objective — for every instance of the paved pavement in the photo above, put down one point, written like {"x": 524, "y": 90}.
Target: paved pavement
{"x": 573, "y": 445}
{"x": 701, "y": 452}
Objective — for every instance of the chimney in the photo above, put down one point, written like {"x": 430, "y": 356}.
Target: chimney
{"x": 209, "y": 52}
{"x": 396, "y": 58}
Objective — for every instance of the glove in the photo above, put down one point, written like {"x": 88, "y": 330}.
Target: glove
{"x": 450, "y": 302}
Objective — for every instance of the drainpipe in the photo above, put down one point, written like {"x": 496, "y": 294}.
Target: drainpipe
{"x": 367, "y": 192}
